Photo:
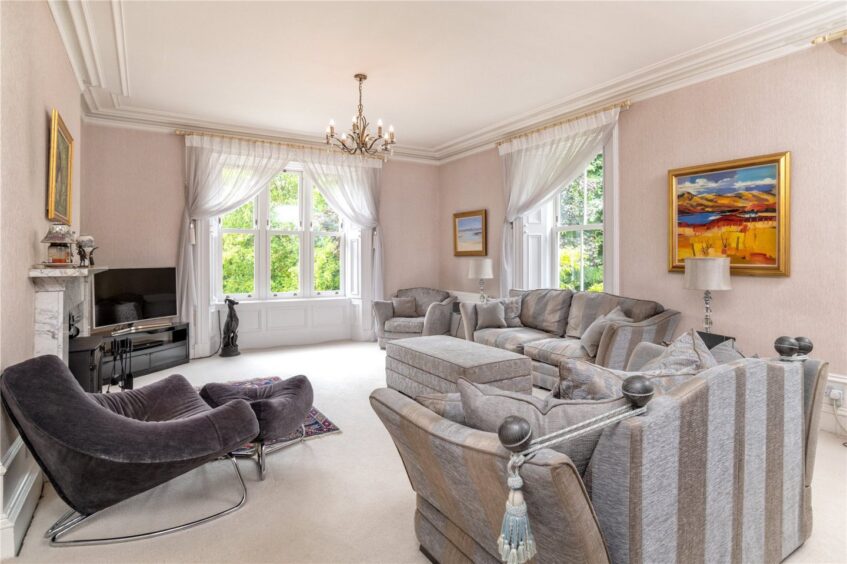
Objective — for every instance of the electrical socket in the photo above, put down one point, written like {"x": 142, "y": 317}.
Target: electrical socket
{"x": 835, "y": 395}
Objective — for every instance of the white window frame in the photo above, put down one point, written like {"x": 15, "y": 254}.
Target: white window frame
{"x": 263, "y": 232}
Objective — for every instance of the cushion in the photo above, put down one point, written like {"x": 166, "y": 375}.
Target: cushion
{"x": 546, "y": 310}
{"x": 511, "y": 339}
{"x": 688, "y": 351}
{"x": 552, "y": 351}
{"x": 512, "y": 311}
{"x": 582, "y": 380}
{"x": 404, "y": 307}
{"x": 424, "y": 297}
{"x": 448, "y": 406}
{"x": 590, "y": 340}
{"x": 405, "y": 325}
{"x": 485, "y": 407}
{"x": 490, "y": 314}
{"x": 588, "y": 306}
{"x": 726, "y": 352}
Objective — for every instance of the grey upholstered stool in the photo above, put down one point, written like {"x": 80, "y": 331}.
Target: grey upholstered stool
{"x": 280, "y": 407}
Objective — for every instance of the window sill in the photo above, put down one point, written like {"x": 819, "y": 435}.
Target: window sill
{"x": 281, "y": 301}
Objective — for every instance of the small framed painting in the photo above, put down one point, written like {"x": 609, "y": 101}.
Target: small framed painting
{"x": 469, "y": 234}
{"x": 61, "y": 170}
{"x": 736, "y": 209}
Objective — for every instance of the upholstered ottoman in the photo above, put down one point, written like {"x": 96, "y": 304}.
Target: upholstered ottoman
{"x": 280, "y": 407}
{"x": 426, "y": 365}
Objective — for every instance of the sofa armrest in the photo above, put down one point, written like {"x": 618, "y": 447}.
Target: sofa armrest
{"x": 383, "y": 311}
{"x": 468, "y": 311}
{"x": 437, "y": 320}
{"x": 462, "y": 473}
{"x": 620, "y": 338}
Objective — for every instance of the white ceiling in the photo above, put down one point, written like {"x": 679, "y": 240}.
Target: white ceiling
{"x": 440, "y": 72}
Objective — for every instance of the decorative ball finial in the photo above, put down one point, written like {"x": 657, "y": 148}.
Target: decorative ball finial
{"x": 638, "y": 390}
{"x": 804, "y": 345}
{"x": 515, "y": 433}
{"x": 786, "y": 346}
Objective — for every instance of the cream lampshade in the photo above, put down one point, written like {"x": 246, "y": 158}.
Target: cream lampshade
{"x": 707, "y": 274}
{"x": 482, "y": 270}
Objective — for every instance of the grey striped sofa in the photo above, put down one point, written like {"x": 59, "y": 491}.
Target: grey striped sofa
{"x": 434, "y": 310}
{"x": 717, "y": 470}
{"x": 553, "y": 321}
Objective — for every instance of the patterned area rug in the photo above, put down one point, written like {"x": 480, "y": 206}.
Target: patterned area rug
{"x": 317, "y": 424}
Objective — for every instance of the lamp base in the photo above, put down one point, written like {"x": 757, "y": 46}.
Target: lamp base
{"x": 482, "y": 297}
{"x": 707, "y": 322}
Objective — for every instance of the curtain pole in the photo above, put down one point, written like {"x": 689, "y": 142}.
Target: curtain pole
{"x": 622, "y": 105}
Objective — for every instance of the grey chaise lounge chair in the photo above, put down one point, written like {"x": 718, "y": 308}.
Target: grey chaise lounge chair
{"x": 100, "y": 449}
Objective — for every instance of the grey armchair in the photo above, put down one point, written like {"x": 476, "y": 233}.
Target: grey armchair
{"x": 100, "y": 449}
{"x": 433, "y": 308}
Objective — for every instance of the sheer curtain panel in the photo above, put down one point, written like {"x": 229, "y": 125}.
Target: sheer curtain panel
{"x": 537, "y": 165}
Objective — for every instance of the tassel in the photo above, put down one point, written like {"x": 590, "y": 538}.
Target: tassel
{"x": 515, "y": 544}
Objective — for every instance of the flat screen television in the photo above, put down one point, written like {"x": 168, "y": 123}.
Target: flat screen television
{"x": 130, "y": 295}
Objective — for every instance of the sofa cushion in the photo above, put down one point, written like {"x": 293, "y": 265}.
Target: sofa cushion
{"x": 588, "y": 306}
{"x": 485, "y": 407}
{"x": 448, "y": 406}
{"x": 591, "y": 338}
{"x": 587, "y": 381}
{"x": 726, "y": 352}
{"x": 405, "y": 325}
{"x": 546, "y": 310}
{"x": 424, "y": 297}
{"x": 511, "y": 339}
{"x": 688, "y": 351}
{"x": 404, "y": 307}
{"x": 551, "y": 351}
{"x": 490, "y": 315}
{"x": 512, "y": 311}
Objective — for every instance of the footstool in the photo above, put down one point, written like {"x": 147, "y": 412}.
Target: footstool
{"x": 280, "y": 407}
{"x": 426, "y": 365}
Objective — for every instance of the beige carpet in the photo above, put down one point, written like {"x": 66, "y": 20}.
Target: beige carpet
{"x": 340, "y": 498}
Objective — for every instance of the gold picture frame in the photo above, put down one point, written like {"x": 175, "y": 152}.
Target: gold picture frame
{"x": 737, "y": 208}
{"x": 60, "y": 182}
{"x": 470, "y": 233}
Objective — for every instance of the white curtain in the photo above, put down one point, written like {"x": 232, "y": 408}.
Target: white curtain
{"x": 536, "y": 166}
{"x": 351, "y": 187}
{"x": 221, "y": 175}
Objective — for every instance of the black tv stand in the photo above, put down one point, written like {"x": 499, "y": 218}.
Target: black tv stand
{"x": 159, "y": 347}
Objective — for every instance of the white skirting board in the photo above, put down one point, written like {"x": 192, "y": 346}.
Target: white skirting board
{"x": 20, "y": 474}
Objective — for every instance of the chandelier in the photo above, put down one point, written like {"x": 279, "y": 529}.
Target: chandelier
{"x": 359, "y": 140}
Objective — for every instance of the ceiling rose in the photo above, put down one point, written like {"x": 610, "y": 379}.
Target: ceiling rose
{"x": 360, "y": 140}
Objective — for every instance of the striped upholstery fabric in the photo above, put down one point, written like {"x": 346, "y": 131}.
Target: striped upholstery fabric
{"x": 619, "y": 339}
{"x": 459, "y": 476}
{"x": 588, "y": 306}
{"x": 546, "y": 310}
{"x": 553, "y": 351}
{"x": 405, "y": 325}
{"x": 424, "y": 297}
{"x": 712, "y": 473}
{"x": 511, "y": 338}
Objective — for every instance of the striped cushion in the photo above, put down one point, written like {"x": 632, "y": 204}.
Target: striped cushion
{"x": 511, "y": 339}
{"x": 687, "y": 352}
{"x": 551, "y": 351}
{"x": 546, "y": 310}
{"x": 405, "y": 325}
{"x": 588, "y": 306}
{"x": 585, "y": 380}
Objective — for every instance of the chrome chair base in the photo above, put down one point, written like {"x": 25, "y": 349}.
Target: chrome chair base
{"x": 260, "y": 451}
{"x": 71, "y": 519}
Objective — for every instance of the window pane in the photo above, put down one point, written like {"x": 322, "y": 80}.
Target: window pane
{"x": 569, "y": 260}
{"x": 241, "y": 218}
{"x": 592, "y": 260}
{"x": 327, "y": 263}
{"x": 285, "y": 210}
{"x": 239, "y": 261}
{"x": 594, "y": 190}
{"x": 285, "y": 263}
{"x": 570, "y": 204}
{"x": 323, "y": 217}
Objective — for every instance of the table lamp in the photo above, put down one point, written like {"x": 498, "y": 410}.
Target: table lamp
{"x": 482, "y": 270}
{"x": 708, "y": 274}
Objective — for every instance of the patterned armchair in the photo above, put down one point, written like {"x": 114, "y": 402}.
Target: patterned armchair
{"x": 433, "y": 309}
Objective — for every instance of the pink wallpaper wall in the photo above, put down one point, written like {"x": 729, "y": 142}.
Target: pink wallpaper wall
{"x": 409, "y": 216}
{"x": 796, "y": 104}
{"x": 36, "y": 77}
{"x": 134, "y": 195}
{"x": 471, "y": 183}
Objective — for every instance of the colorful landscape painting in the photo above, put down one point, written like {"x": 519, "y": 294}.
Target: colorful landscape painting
{"x": 734, "y": 211}
{"x": 469, "y": 233}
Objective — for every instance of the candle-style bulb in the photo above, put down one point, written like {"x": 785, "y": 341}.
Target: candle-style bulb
{"x": 379, "y": 122}
{"x": 332, "y": 123}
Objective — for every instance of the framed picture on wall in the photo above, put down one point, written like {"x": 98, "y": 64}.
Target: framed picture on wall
{"x": 61, "y": 170}
{"x": 470, "y": 234}
{"x": 738, "y": 209}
